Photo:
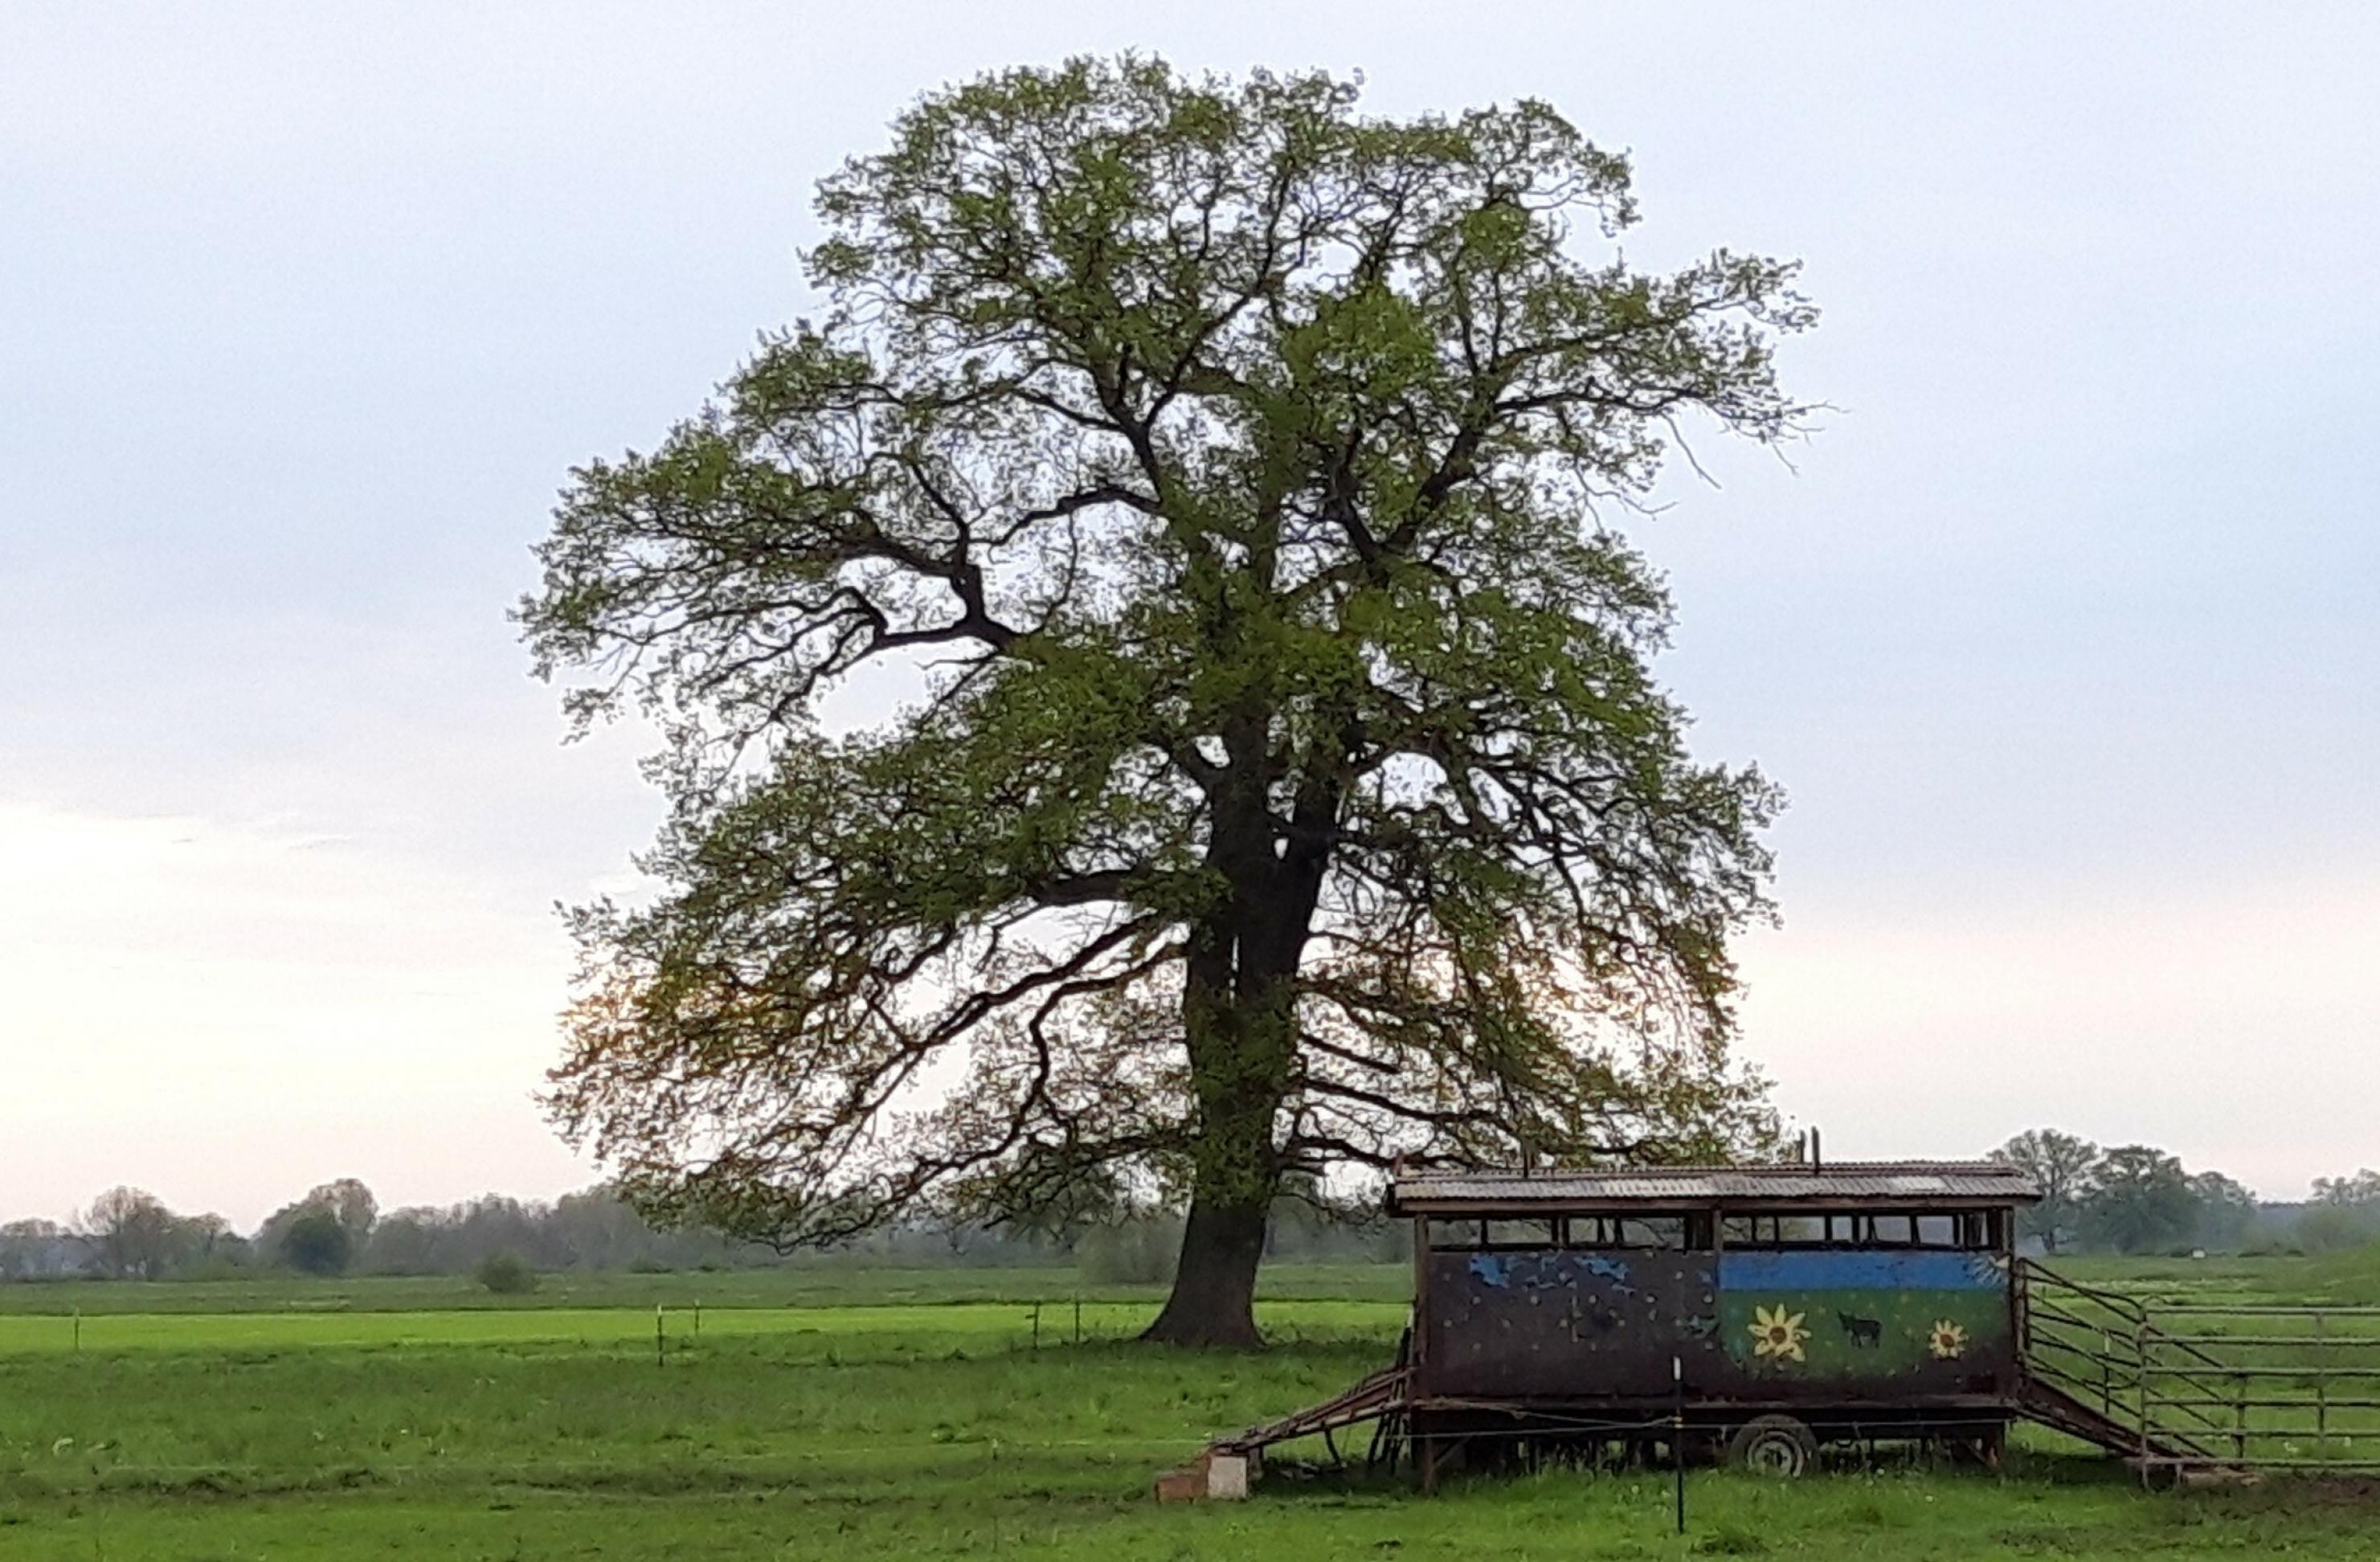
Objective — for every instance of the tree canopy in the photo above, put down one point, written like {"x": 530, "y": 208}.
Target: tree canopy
{"x": 134, "y": 1232}
{"x": 2140, "y": 1200}
{"x": 315, "y": 1244}
{"x": 2060, "y": 1165}
{"x": 1228, "y": 484}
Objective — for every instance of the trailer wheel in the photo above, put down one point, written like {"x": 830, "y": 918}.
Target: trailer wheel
{"x": 1773, "y": 1445}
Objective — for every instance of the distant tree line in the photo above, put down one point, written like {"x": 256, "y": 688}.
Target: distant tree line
{"x": 338, "y": 1228}
{"x": 2138, "y": 1199}
{"x": 2129, "y": 1198}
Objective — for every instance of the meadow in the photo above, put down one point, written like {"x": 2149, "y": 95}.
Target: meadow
{"x": 848, "y": 1414}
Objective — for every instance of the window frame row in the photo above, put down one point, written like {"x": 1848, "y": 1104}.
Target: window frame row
{"x": 1963, "y": 1230}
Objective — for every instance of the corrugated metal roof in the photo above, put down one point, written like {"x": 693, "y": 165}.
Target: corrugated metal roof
{"x": 1841, "y": 1182}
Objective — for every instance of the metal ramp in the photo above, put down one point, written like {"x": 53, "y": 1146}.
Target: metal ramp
{"x": 2060, "y": 1411}
{"x": 1379, "y": 1398}
{"x": 1227, "y": 1466}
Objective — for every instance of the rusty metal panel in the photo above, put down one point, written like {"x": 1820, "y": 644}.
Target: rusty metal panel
{"x": 1861, "y": 1327}
{"x": 1563, "y": 1322}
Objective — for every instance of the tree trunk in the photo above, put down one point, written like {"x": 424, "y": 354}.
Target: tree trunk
{"x": 1215, "y": 1287}
{"x": 1239, "y": 1018}
{"x": 1238, "y": 1062}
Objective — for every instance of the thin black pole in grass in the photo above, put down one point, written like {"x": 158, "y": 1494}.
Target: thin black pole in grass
{"x": 1037, "y": 1328}
{"x": 77, "y": 1331}
{"x": 659, "y": 1340}
{"x": 1078, "y": 1317}
{"x": 1678, "y": 1433}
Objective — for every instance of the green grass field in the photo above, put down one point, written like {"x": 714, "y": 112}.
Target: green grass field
{"x": 819, "y": 1284}
{"x": 847, "y": 1413}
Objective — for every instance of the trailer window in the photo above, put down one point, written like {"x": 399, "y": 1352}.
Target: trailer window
{"x": 1653, "y": 1231}
{"x": 1520, "y": 1233}
{"x": 1668, "y": 1232}
{"x": 1776, "y": 1231}
{"x": 1971, "y": 1230}
{"x": 1456, "y": 1235}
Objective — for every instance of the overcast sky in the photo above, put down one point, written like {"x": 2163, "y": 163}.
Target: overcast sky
{"x": 2062, "y": 634}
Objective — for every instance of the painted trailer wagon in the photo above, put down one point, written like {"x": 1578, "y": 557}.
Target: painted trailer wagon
{"x": 1760, "y": 1313}
{"x": 1772, "y": 1308}
{"x": 1754, "y": 1312}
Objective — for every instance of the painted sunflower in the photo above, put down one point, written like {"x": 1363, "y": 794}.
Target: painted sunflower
{"x": 1777, "y": 1333}
{"x": 1949, "y": 1340}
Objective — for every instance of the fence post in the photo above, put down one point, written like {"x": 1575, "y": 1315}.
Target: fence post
{"x": 2239, "y": 1433}
{"x": 2141, "y": 1353}
{"x": 1036, "y": 1327}
{"x": 2321, "y": 1397}
{"x": 1678, "y": 1433}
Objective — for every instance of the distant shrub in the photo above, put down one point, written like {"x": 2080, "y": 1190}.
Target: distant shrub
{"x": 315, "y": 1244}
{"x": 647, "y": 1266}
{"x": 506, "y": 1274}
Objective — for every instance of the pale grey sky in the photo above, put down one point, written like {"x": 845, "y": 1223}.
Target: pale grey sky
{"x": 2062, "y": 636}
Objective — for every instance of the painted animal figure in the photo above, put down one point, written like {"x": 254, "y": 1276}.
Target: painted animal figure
{"x": 1868, "y": 1332}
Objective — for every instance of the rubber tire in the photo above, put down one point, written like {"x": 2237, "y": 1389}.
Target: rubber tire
{"x": 1774, "y": 1445}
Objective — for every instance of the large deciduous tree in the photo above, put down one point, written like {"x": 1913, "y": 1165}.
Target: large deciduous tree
{"x": 315, "y": 1242}
{"x": 2139, "y": 1200}
{"x": 2061, "y": 1166}
{"x": 134, "y": 1230}
{"x": 1228, "y": 482}
{"x": 2226, "y": 1211}
{"x": 348, "y": 1203}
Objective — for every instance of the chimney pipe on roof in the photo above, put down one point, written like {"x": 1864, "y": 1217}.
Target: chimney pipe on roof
{"x": 1815, "y": 1162}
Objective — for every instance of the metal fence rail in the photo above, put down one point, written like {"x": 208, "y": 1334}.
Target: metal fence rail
{"x": 2208, "y": 1385}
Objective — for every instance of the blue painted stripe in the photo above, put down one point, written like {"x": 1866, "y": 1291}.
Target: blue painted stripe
{"x": 1859, "y": 1270}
